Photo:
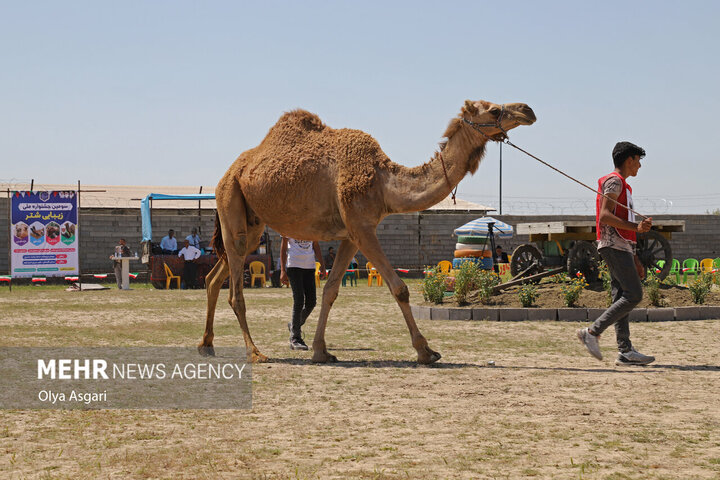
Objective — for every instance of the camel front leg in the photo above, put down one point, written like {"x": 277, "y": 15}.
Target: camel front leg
{"x": 330, "y": 292}
{"x": 370, "y": 246}
{"x": 213, "y": 281}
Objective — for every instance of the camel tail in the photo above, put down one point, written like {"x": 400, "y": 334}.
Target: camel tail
{"x": 217, "y": 240}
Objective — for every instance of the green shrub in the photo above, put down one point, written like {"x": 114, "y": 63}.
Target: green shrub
{"x": 700, "y": 287}
{"x": 528, "y": 294}
{"x": 572, "y": 289}
{"x": 652, "y": 286}
{"x": 466, "y": 279}
{"x": 485, "y": 282}
{"x": 561, "y": 277}
{"x": 433, "y": 286}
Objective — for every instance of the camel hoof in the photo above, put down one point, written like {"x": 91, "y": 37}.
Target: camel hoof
{"x": 324, "y": 357}
{"x": 428, "y": 356}
{"x": 206, "y": 350}
{"x": 257, "y": 357}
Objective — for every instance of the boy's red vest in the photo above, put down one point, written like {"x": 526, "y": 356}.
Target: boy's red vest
{"x": 620, "y": 209}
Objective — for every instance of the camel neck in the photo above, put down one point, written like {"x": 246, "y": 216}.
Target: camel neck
{"x": 419, "y": 188}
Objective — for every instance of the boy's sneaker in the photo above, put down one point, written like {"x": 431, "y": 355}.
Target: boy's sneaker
{"x": 633, "y": 357}
{"x": 590, "y": 341}
{"x": 297, "y": 344}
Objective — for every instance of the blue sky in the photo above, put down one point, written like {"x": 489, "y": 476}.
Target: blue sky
{"x": 170, "y": 92}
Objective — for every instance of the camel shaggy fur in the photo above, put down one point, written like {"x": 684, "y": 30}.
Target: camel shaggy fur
{"x": 312, "y": 182}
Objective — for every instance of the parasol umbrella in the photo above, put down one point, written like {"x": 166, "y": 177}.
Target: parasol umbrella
{"x": 479, "y": 228}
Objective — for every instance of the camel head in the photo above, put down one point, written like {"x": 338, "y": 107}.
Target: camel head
{"x": 488, "y": 116}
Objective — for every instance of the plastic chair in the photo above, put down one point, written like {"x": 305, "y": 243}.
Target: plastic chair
{"x": 350, "y": 274}
{"x": 170, "y": 277}
{"x": 690, "y": 266}
{"x": 373, "y": 274}
{"x": 675, "y": 270}
{"x": 660, "y": 265}
{"x": 257, "y": 272}
{"x": 706, "y": 265}
{"x": 317, "y": 274}
{"x": 716, "y": 265}
{"x": 445, "y": 266}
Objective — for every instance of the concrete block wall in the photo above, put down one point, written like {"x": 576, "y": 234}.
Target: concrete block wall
{"x": 411, "y": 240}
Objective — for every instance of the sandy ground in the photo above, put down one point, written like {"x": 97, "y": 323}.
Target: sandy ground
{"x": 545, "y": 409}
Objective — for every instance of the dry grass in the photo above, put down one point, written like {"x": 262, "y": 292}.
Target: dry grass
{"x": 545, "y": 410}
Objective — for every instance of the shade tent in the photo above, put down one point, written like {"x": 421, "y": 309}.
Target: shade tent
{"x": 479, "y": 228}
{"x": 145, "y": 208}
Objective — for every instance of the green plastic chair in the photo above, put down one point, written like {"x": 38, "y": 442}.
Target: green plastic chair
{"x": 675, "y": 270}
{"x": 716, "y": 264}
{"x": 660, "y": 265}
{"x": 690, "y": 266}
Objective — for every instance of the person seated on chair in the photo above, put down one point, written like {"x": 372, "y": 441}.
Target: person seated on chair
{"x": 500, "y": 256}
{"x": 194, "y": 238}
{"x": 190, "y": 254}
{"x": 168, "y": 244}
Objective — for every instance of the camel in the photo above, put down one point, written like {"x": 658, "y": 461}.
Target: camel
{"x": 312, "y": 182}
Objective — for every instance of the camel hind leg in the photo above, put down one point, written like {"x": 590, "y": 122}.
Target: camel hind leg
{"x": 213, "y": 281}
{"x": 241, "y": 232}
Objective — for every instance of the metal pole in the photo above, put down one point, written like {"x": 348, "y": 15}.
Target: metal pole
{"x": 199, "y": 227}
{"x": 501, "y": 179}
{"x": 10, "y": 238}
{"x": 77, "y": 229}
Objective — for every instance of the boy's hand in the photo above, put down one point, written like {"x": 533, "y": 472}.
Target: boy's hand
{"x": 645, "y": 225}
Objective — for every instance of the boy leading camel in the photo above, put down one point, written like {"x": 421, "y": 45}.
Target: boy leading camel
{"x": 617, "y": 238}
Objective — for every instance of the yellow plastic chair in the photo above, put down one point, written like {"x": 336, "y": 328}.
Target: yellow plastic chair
{"x": 257, "y": 272}
{"x": 317, "y": 274}
{"x": 373, "y": 274}
{"x": 170, "y": 277}
{"x": 445, "y": 266}
{"x": 706, "y": 265}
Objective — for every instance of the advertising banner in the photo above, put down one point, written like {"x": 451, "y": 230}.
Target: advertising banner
{"x": 44, "y": 234}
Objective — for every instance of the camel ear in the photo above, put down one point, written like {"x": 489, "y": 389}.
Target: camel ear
{"x": 470, "y": 107}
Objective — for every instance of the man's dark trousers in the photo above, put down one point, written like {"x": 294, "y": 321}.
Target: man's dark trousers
{"x": 626, "y": 293}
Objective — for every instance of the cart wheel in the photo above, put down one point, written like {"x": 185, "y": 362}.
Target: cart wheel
{"x": 583, "y": 258}
{"x": 652, "y": 248}
{"x": 524, "y": 257}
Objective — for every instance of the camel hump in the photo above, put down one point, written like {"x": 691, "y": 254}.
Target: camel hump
{"x": 302, "y": 118}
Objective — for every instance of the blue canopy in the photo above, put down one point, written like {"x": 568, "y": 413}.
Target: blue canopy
{"x": 479, "y": 228}
{"x": 145, "y": 208}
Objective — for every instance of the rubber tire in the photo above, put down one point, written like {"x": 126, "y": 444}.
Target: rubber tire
{"x": 470, "y": 246}
{"x": 473, "y": 240}
{"x": 473, "y": 253}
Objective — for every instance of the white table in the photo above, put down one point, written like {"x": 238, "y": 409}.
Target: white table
{"x": 125, "y": 265}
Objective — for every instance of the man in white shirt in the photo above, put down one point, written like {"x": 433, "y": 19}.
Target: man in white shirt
{"x": 189, "y": 254}
{"x": 194, "y": 238}
{"x": 169, "y": 243}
